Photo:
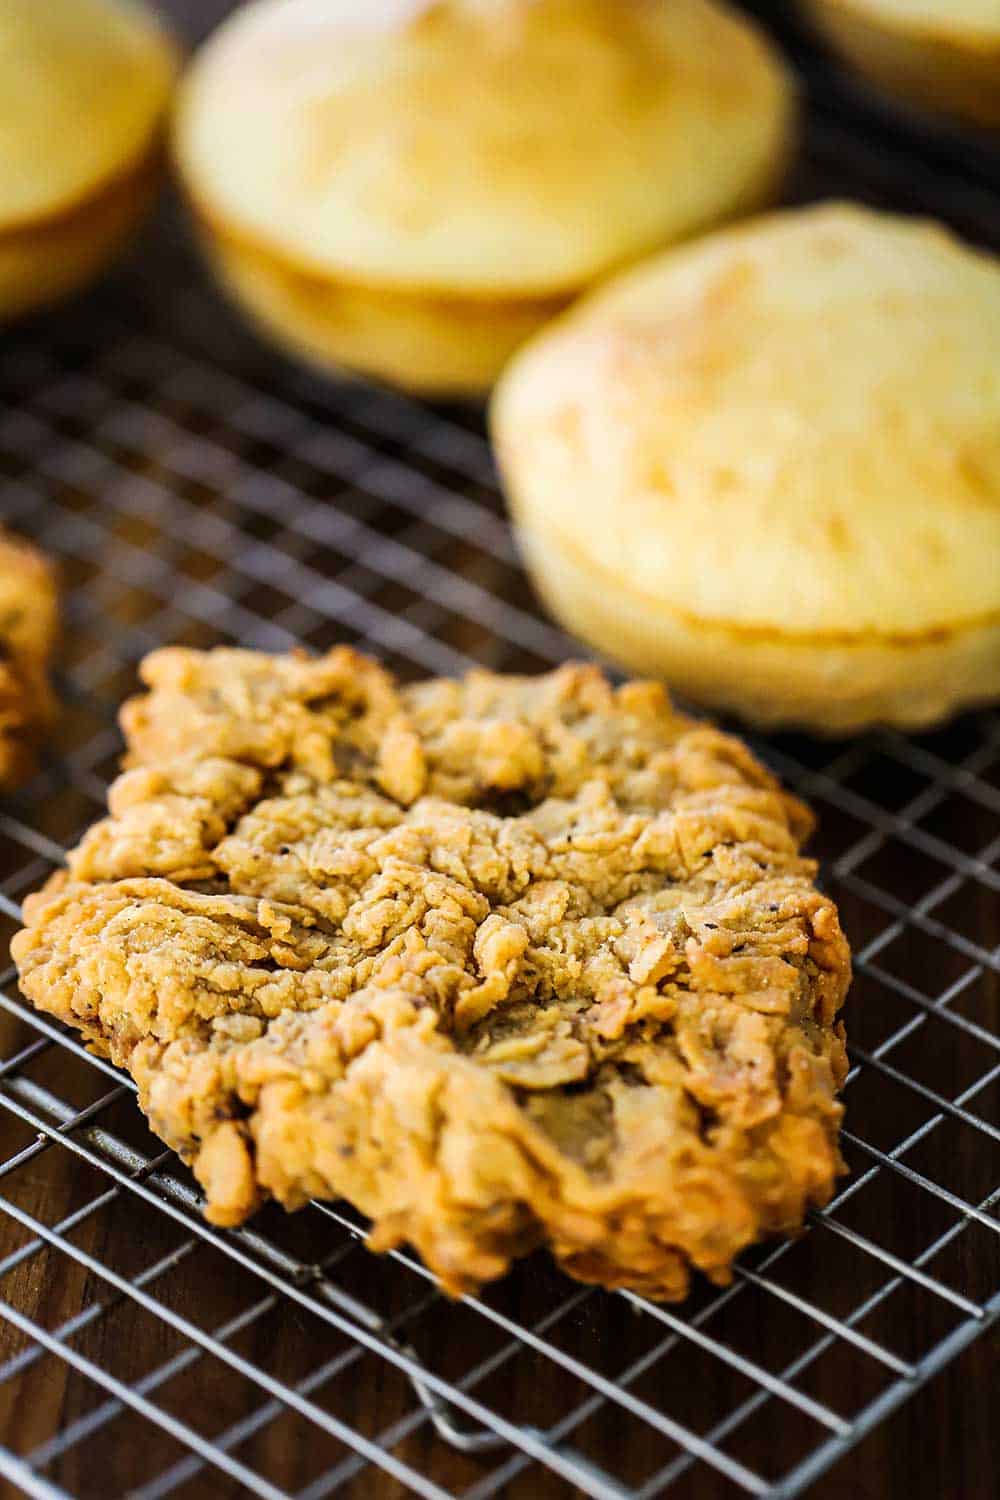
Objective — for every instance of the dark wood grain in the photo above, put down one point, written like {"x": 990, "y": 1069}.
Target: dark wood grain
{"x": 945, "y": 1442}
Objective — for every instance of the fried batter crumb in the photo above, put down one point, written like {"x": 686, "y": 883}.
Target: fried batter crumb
{"x": 27, "y": 638}
{"x": 503, "y": 961}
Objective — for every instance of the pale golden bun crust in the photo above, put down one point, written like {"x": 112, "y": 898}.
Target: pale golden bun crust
{"x": 478, "y": 146}
{"x": 767, "y": 466}
{"x": 84, "y": 87}
{"x": 941, "y": 55}
{"x": 415, "y": 158}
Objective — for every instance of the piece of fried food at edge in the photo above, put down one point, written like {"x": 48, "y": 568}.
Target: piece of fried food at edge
{"x": 505, "y": 961}
{"x": 28, "y": 628}
{"x": 84, "y": 87}
{"x": 412, "y": 189}
{"x": 766, "y": 467}
{"x": 941, "y": 55}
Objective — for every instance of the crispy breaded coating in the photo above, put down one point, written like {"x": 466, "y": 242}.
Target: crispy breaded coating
{"x": 28, "y": 625}
{"x": 504, "y": 962}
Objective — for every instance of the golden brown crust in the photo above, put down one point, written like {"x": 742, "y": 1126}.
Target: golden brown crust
{"x": 505, "y": 961}
{"x": 28, "y": 625}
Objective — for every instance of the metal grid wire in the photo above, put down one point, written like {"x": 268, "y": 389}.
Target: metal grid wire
{"x": 198, "y": 490}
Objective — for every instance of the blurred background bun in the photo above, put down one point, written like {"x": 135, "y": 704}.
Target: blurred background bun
{"x": 411, "y": 188}
{"x": 942, "y": 55}
{"x": 765, "y": 467}
{"x": 84, "y": 87}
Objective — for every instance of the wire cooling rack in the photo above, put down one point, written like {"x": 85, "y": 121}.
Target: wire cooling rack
{"x": 197, "y": 489}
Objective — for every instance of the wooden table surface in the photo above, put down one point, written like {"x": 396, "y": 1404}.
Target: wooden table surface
{"x": 945, "y": 1442}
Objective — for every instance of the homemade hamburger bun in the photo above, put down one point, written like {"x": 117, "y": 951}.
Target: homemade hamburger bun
{"x": 84, "y": 86}
{"x": 411, "y": 188}
{"x": 767, "y": 467}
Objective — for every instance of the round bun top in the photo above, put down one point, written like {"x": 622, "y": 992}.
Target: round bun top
{"x": 792, "y": 426}
{"x": 83, "y": 87}
{"x": 479, "y": 146}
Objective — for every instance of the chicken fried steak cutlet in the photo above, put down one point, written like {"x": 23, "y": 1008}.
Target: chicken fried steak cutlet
{"x": 28, "y": 624}
{"x": 505, "y": 962}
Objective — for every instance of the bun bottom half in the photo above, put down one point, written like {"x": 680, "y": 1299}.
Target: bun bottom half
{"x": 834, "y": 686}
{"x": 938, "y": 71}
{"x": 43, "y": 263}
{"x": 433, "y": 345}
